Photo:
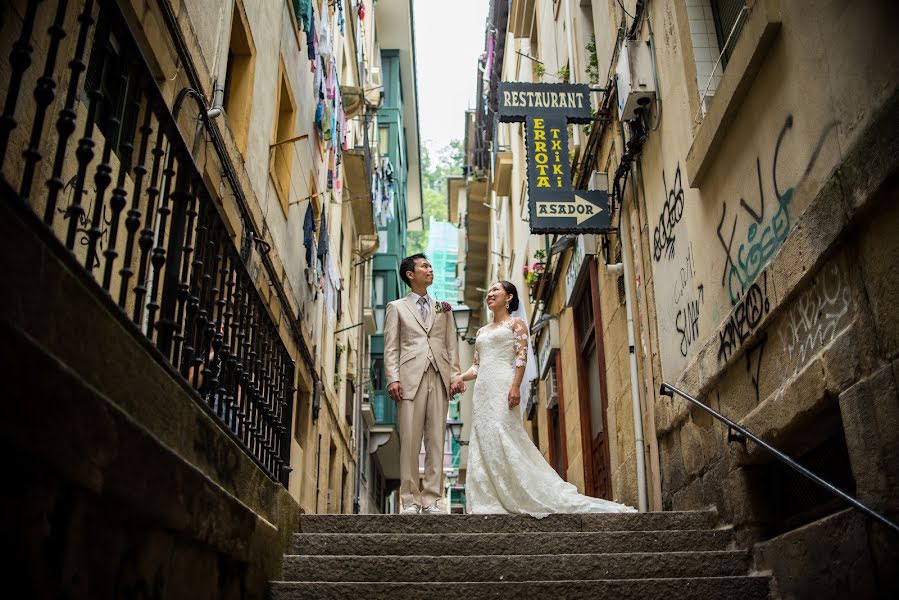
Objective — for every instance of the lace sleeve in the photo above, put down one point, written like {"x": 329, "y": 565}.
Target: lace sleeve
{"x": 476, "y": 361}
{"x": 521, "y": 342}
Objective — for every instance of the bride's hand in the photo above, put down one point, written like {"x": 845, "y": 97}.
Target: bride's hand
{"x": 514, "y": 397}
{"x": 458, "y": 386}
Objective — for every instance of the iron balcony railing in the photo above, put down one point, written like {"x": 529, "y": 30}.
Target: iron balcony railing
{"x": 738, "y": 433}
{"x": 116, "y": 184}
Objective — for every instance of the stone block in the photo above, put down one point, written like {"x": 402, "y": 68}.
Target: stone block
{"x": 808, "y": 244}
{"x": 689, "y": 497}
{"x": 870, "y": 413}
{"x": 872, "y": 158}
{"x": 746, "y": 497}
{"x": 671, "y": 462}
{"x": 792, "y": 419}
{"x": 713, "y": 490}
{"x": 691, "y": 447}
{"x": 851, "y": 355}
{"x": 826, "y": 559}
{"x": 878, "y": 251}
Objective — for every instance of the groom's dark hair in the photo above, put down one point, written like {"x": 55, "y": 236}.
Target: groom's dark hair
{"x": 408, "y": 264}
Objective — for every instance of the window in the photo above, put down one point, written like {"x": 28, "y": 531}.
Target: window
{"x": 378, "y": 301}
{"x": 239, "y": 77}
{"x": 384, "y": 140}
{"x": 728, "y": 16}
{"x": 377, "y": 372}
{"x": 350, "y": 392}
{"x": 282, "y": 150}
{"x": 109, "y": 74}
{"x": 711, "y": 24}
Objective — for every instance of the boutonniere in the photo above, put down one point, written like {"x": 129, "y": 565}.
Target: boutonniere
{"x": 443, "y": 307}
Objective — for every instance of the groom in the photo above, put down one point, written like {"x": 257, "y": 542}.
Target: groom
{"x": 421, "y": 360}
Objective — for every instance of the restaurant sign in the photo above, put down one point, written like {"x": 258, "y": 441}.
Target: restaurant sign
{"x": 546, "y": 110}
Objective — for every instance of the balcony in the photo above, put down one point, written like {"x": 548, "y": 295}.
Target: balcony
{"x": 384, "y": 443}
{"x": 96, "y": 166}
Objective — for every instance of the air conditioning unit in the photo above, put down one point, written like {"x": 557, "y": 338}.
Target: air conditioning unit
{"x": 552, "y": 390}
{"x": 635, "y": 79}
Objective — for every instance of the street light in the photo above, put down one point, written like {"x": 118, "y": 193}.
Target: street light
{"x": 455, "y": 429}
{"x": 462, "y": 315}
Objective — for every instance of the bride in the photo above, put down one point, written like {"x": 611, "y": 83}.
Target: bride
{"x": 506, "y": 472}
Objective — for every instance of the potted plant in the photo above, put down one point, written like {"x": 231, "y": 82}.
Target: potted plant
{"x": 533, "y": 274}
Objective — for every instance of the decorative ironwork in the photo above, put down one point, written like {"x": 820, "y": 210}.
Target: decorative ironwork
{"x": 140, "y": 218}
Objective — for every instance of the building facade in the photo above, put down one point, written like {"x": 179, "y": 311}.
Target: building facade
{"x": 202, "y": 184}
{"x": 749, "y": 156}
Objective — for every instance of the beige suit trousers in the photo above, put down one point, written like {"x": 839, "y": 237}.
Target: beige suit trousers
{"x": 423, "y": 417}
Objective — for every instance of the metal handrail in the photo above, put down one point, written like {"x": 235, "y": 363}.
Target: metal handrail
{"x": 740, "y": 433}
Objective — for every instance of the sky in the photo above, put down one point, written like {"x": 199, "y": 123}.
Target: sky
{"x": 449, "y": 37}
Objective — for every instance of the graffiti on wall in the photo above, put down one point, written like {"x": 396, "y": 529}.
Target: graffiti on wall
{"x": 814, "y": 319}
{"x": 686, "y": 300}
{"x": 744, "y": 318}
{"x": 672, "y": 211}
{"x": 767, "y": 227}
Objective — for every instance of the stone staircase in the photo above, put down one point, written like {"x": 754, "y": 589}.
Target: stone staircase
{"x": 669, "y": 555}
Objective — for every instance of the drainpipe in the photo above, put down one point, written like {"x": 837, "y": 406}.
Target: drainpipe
{"x": 626, "y": 268}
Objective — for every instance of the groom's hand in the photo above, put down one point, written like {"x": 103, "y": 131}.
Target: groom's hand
{"x": 395, "y": 390}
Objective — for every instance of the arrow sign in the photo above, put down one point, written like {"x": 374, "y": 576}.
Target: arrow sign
{"x": 586, "y": 206}
{"x": 547, "y": 110}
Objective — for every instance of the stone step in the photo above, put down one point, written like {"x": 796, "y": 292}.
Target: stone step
{"x": 654, "y": 521}
{"x": 515, "y": 567}
{"x": 471, "y": 544}
{"x": 745, "y": 588}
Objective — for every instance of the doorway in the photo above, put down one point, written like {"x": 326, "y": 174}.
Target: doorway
{"x": 591, "y": 367}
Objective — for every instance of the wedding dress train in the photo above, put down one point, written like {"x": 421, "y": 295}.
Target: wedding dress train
{"x": 506, "y": 472}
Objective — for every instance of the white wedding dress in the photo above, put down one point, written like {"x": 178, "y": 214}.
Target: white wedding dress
{"x": 506, "y": 472}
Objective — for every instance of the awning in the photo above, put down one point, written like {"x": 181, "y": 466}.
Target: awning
{"x": 352, "y": 100}
{"x": 358, "y": 190}
{"x": 477, "y": 250}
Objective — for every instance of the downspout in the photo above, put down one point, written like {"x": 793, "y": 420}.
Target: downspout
{"x": 357, "y": 402}
{"x": 626, "y": 268}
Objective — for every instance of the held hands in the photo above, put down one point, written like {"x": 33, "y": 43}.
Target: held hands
{"x": 458, "y": 386}
{"x": 514, "y": 397}
{"x": 395, "y": 390}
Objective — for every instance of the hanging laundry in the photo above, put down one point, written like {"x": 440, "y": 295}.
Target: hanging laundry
{"x": 323, "y": 29}
{"x": 323, "y": 240}
{"x": 309, "y": 29}
{"x": 309, "y": 234}
{"x": 338, "y": 8}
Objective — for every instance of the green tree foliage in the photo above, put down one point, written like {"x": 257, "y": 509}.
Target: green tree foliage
{"x": 434, "y": 171}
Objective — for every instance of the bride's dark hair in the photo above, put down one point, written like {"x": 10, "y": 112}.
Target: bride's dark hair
{"x": 510, "y": 289}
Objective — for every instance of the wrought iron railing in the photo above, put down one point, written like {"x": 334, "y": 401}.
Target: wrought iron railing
{"x": 131, "y": 205}
{"x": 738, "y": 433}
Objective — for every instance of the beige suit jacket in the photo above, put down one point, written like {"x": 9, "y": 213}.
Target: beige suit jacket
{"x": 407, "y": 340}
